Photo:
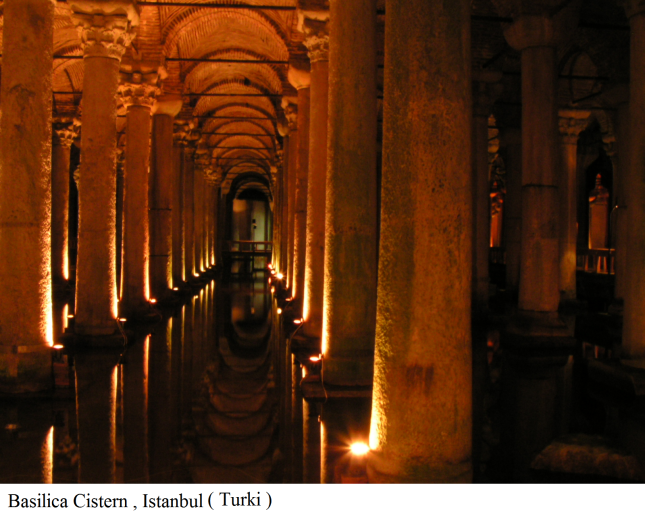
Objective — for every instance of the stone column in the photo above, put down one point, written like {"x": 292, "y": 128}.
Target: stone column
{"x": 138, "y": 97}
{"x": 189, "y": 212}
{"x": 177, "y": 213}
{"x": 486, "y": 89}
{"x": 120, "y": 176}
{"x": 421, "y": 408}
{"x": 25, "y": 196}
{"x": 105, "y": 34}
{"x": 62, "y": 144}
{"x": 350, "y": 217}
{"x": 202, "y": 160}
{"x": 284, "y": 205}
{"x": 572, "y": 123}
{"x": 511, "y": 143}
{"x": 634, "y": 311}
{"x": 317, "y": 41}
{"x": 301, "y": 80}
{"x": 162, "y": 186}
{"x": 291, "y": 112}
{"x": 534, "y": 37}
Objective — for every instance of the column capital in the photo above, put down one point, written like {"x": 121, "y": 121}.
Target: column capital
{"x": 316, "y": 33}
{"x": 139, "y": 81}
{"x": 169, "y": 105}
{"x": 299, "y": 75}
{"x": 632, "y": 7}
{"x": 105, "y": 28}
{"x": 290, "y": 113}
{"x": 487, "y": 88}
{"x": 203, "y": 160}
{"x": 66, "y": 130}
{"x": 531, "y": 30}
{"x": 571, "y": 123}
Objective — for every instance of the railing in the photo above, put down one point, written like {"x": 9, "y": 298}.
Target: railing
{"x": 596, "y": 261}
{"x": 249, "y": 246}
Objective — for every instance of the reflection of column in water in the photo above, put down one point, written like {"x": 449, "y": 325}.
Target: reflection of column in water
{"x": 135, "y": 412}
{"x": 198, "y": 339}
{"x": 96, "y": 385}
{"x": 187, "y": 375}
{"x": 311, "y": 442}
{"x": 296, "y": 420}
{"x": 160, "y": 383}
{"x": 47, "y": 458}
{"x": 177, "y": 350}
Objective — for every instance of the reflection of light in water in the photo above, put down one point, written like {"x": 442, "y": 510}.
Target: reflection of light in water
{"x": 47, "y": 457}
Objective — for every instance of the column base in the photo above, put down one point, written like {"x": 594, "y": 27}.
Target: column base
{"x": 25, "y": 369}
{"x": 348, "y": 371}
{"x": 388, "y": 470}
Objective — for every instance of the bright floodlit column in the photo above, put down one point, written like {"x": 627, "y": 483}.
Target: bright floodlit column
{"x": 177, "y": 212}
{"x": 300, "y": 79}
{"x": 317, "y": 41}
{"x": 350, "y": 218}
{"x": 291, "y": 112}
{"x": 138, "y": 96}
{"x": 421, "y": 408}
{"x": 105, "y": 36}
{"x": 162, "y": 187}
{"x": 25, "y": 196}
{"x": 188, "y": 212}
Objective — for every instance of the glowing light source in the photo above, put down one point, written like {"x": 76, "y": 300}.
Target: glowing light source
{"x": 297, "y": 321}
{"x": 175, "y": 288}
{"x": 272, "y": 290}
{"x": 57, "y": 346}
{"x": 289, "y": 299}
{"x": 315, "y": 358}
{"x": 280, "y": 275}
{"x": 122, "y": 319}
{"x": 359, "y": 449}
{"x": 153, "y": 301}
{"x": 279, "y": 311}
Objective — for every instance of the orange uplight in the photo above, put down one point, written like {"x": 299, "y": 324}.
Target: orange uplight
{"x": 280, "y": 275}
{"x": 122, "y": 319}
{"x": 279, "y": 311}
{"x": 175, "y": 288}
{"x": 359, "y": 449}
{"x": 315, "y": 358}
{"x": 153, "y": 301}
{"x": 57, "y": 346}
{"x": 289, "y": 299}
{"x": 269, "y": 281}
{"x": 297, "y": 321}
{"x": 272, "y": 290}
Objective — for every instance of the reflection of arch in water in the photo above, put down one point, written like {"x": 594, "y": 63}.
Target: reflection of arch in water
{"x": 248, "y": 319}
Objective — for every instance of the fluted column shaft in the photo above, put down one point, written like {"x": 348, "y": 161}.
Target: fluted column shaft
{"x": 316, "y": 195}
{"x": 350, "y": 216}
{"x": 104, "y": 44}
{"x": 421, "y": 408}
{"x": 25, "y": 196}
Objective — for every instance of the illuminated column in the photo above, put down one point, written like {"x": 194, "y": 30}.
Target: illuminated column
{"x": 634, "y": 311}
{"x": 215, "y": 181}
{"x": 62, "y": 144}
{"x": 177, "y": 212}
{"x": 189, "y": 212}
{"x": 105, "y": 34}
{"x": 202, "y": 160}
{"x": 25, "y": 196}
{"x": 350, "y": 216}
{"x": 421, "y": 408}
{"x": 291, "y": 112}
{"x": 120, "y": 175}
{"x": 138, "y": 97}
{"x": 300, "y": 79}
{"x": 317, "y": 41}
{"x": 284, "y": 225}
{"x": 534, "y": 37}
{"x": 572, "y": 123}
{"x": 486, "y": 88}
{"x": 162, "y": 185}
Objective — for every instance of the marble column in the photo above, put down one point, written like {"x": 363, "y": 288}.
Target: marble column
{"x": 177, "y": 213}
{"x": 284, "y": 205}
{"x": 62, "y": 144}
{"x": 105, "y": 35}
{"x": 317, "y": 41}
{"x": 138, "y": 97}
{"x": 25, "y": 196}
{"x": 189, "y": 212}
{"x": 300, "y": 79}
{"x": 572, "y": 123}
{"x": 486, "y": 89}
{"x": 634, "y": 309}
{"x": 421, "y": 408}
{"x": 202, "y": 160}
{"x": 349, "y": 303}
{"x": 162, "y": 186}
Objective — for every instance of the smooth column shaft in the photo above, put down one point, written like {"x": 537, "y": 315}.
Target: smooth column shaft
{"x": 350, "y": 218}
{"x": 177, "y": 217}
{"x": 60, "y": 212}
{"x": 300, "y": 211}
{"x": 189, "y": 220}
{"x": 422, "y": 402}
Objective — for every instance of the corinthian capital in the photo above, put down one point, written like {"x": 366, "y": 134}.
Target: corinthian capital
{"x": 571, "y": 124}
{"x": 106, "y": 28}
{"x": 66, "y": 130}
{"x": 316, "y": 39}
